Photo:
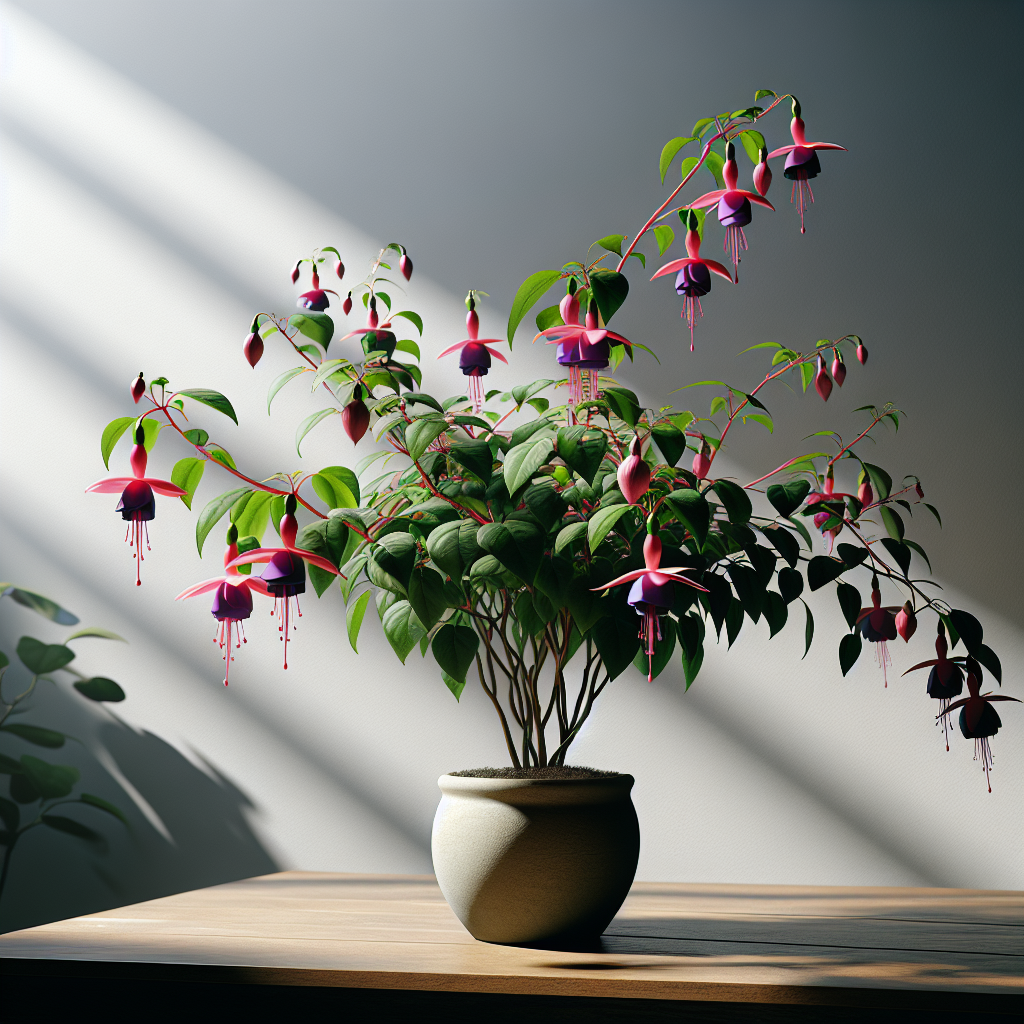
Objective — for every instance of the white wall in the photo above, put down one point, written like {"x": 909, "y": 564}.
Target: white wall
{"x": 133, "y": 238}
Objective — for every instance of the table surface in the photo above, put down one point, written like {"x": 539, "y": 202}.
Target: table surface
{"x": 721, "y": 943}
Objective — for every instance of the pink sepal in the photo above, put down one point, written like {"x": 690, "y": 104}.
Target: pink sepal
{"x": 265, "y": 555}
{"x": 923, "y": 664}
{"x": 453, "y": 348}
{"x": 781, "y": 151}
{"x": 675, "y": 266}
{"x": 708, "y": 199}
{"x": 200, "y": 588}
{"x": 824, "y": 145}
{"x": 956, "y": 704}
{"x": 165, "y": 487}
{"x": 718, "y": 269}
{"x": 111, "y": 485}
{"x": 628, "y": 578}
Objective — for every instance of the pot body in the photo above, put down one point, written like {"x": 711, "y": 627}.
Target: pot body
{"x": 530, "y": 860}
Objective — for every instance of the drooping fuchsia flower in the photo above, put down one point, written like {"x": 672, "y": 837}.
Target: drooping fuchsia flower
{"x": 801, "y": 162}
{"x": 475, "y": 360}
{"x": 285, "y": 576}
{"x": 945, "y": 681}
{"x": 702, "y": 460}
{"x": 834, "y": 507}
{"x": 138, "y": 388}
{"x": 581, "y": 347}
{"x": 978, "y": 719}
{"x": 137, "y": 505}
{"x": 316, "y": 299}
{"x": 734, "y": 212}
{"x": 634, "y": 475}
{"x": 693, "y": 275}
{"x": 232, "y": 602}
{"x": 838, "y": 369}
{"x": 375, "y": 336}
{"x": 822, "y": 381}
{"x": 878, "y": 625}
{"x": 653, "y": 591}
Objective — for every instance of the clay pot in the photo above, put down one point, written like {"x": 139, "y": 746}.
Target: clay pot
{"x": 535, "y": 860}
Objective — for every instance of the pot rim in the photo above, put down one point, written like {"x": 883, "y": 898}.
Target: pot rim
{"x": 601, "y": 789}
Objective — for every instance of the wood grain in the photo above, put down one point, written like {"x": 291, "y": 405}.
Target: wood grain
{"x": 708, "y": 943}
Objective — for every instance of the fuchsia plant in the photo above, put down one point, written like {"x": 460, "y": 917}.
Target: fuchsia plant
{"x": 498, "y": 541}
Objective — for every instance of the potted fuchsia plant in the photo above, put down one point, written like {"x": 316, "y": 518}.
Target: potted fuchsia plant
{"x": 543, "y": 549}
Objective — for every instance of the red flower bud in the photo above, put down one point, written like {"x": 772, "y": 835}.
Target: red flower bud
{"x": 822, "y": 381}
{"x": 138, "y": 459}
{"x": 865, "y": 495}
{"x": 295, "y": 272}
{"x": 253, "y": 348}
{"x": 569, "y": 307}
{"x": 906, "y": 622}
{"x": 862, "y": 354}
{"x": 763, "y": 175}
{"x": 138, "y": 388}
{"x": 339, "y": 269}
{"x": 355, "y": 418}
{"x": 634, "y": 475}
{"x": 405, "y": 266}
{"x": 346, "y": 306}
{"x": 316, "y": 279}
{"x": 839, "y": 370}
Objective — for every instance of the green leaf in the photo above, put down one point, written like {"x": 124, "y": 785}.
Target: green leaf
{"x": 893, "y": 522}
{"x": 354, "y": 618}
{"x": 691, "y": 508}
{"x": 851, "y": 554}
{"x": 313, "y": 537}
{"x": 112, "y": 434}
{"x": 518, "y": 546}
{"x": 453, "y": 547}
{"x": 775, "y": 612}
{"x": 808, "y": 629}
{"x": 714, "y": 162}
{"x": 806, "y": 374}
{"x": 849, "y": 601}
{"x": 613, "y": 243}
{"x": 40, "y": 658}
{"x": 214, "y": 399}
{"x": 476, "y": 456}
{"x": 36, "y": 734}
{"x": 582, "y": 450}
{"x": 549, "y": 317}
{"x": 453, "y": 684}
{"x": 899, "y": 551}
{"x": 664, "y": 236}
{"x": 422, "y": 432}
{"x": 702, "y": 126}
{"x": 686, "y": 167}
{"x": 532, "y": 612}
{"x": 390, "y": 562}
{"x": 328, "y": 368}
{"x": 765, "y": 421}
{"x": 213, "y": 513}
{"x": 50, "y": 781}
{"x": 95, "y": 631}
{"x": 988, "y": 658}
{"x": 39, "y": 604}
{"x": 969, "y": 630}
{"x": 427, "y": 596}
{"x": 784, "y": 542}
{"x": 569, "y": 535}
{"x": 734, "y": 498}
{"x": 523, "y": 461}
{"x": 791, "y": 584}
{"x": 523, "y": 392}
{"x": 880, "y": 480}
{"x": 734, "y": 620}
{"x": 103, "y": 805}
{"x": 748, "y": 589}
{"x": 100, "y": 688}
{"x": 670, "y": 441}
{"x": 616, "y": 640}
{"x": 454, "y": 649}
{"x": 318, "y": 327}
{"x": 223, "y": 457}
{"x": 920, "y": 550}
{"x": 823, "y": 569}
{"x": 668, "y": 154}
{"x": 415, "y": 319}
{"x": 761, "y": 93}
{"x": 186, "y": 474}
{"x": 624, "y": 403}
{"x": 849, "y": 651}
{"x": 753, "y": 143}
{"x": 281, "y": 380}
{"x": 602, "y": 522}
{"x": 610, "y": 289}
{"x": 251, "y": 514}
{"x": 786, "y": 498}
{"x": 73, "y": 828}
{"x": 9, "y": 813}
{"x": 527, "y": 296}
{"x": 402, "y": 628}
{"x": 337, "y": 487}
{"x": 308, "y": 424}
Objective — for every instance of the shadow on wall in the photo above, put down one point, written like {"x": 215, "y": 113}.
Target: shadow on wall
{"x": 187, "y": 825}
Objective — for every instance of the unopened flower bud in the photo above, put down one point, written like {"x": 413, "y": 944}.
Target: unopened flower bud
{"x": 295, "y": 272}
{"x": 139, "y": 456}
{"x": 906, "y": 622}
{"x": 763, "y": 174}
{"x": 253, "y": 348}
{"x": 862, "y": 354}
{"x": 346, "y": 306}
{"x": 634, "y": 475}
{"x": 371, "y": 318}
{"x": 569, "y": 308}
{"x": 355, "y": 418}
{"x": 822, "y": 381}
{"x": 405, "y": 266}
{"x": 339, "y": 269}
{"x": 702, "y": 461}
{"x": 839, "y": 370}
{"x": 865, "y": 495}
{"x": 138, "y": 388}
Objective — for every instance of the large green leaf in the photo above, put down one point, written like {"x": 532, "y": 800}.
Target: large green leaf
{"x": 476, "y": 456}
{"x": 251, "y": 514}
{"x": 602, "y": 522}
{"x": 103, "y": 805}
{"x": 39, "y": 658}
{"x": 528, "y": 295}
{"x": 610, "y": 289}
{"x": 454, "y": 649}
{"x": 112, "y": 434}
{"x": 354, "y": 617}
{"x": 787, "y": 498}
{"x": 523, "y": 461}
{"x": 35, "y": 734}
{"x": 313, "y": 537}
{"x": 616, "y": 638}
{"x": 422, "y": 432}
{"x": 668, "y": 154}
{"x": 518, "y": 546}
{"x": 546, "y": 504}
{"x": 969, "y": 630}
{"x": 849, "y": 651}
{"x": 582, "y": 450}
{"x": 569, "y": 535}
{"x": 318, "y": 327}
{"x": 691, "y": 508}
{"x": 214, "y": 399}
{"x": 893, "y": 522}
{"x": 748, "y": 589}
{"x": 213, "y": 513}
{"x": 734, "y": 498}
{"x": 337, "y": 487}
{"x": 60, "y": 823}
{"x": 39, "y": 604}
{"x": 823, "y": 569}
{"x": 100, "y": 688}
{"x": 880, "y": 480}
{"x": 624, "y": 404}
{"x": 753, "y": 143}
{"x": 50, "y": 781}
{"x": 670, "y": 441}
{"x": 849, "y": 601}
{"x": 402, "y": 628}
{"x": 186, "y": 474}
{"x": 784, "y": 542}
{"x": 453, "y": 547}
{"x": 791, "y": 584}
{"x": 427, "y": 595}
{"x": 390, "y": 562}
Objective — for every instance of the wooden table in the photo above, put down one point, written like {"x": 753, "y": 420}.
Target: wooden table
{"x": 300, "y": 945}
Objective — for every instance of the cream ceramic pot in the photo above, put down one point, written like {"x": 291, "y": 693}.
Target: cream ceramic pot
{"x": 530, "y": 860}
